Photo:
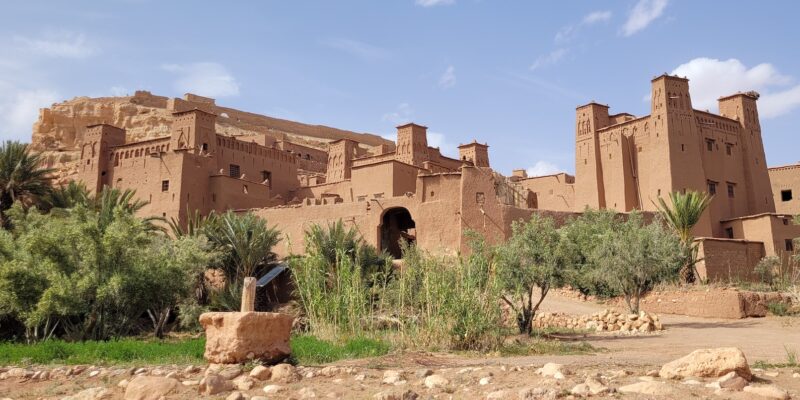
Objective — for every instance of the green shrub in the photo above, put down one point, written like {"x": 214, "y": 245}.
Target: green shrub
{"x": 779, "y": 308}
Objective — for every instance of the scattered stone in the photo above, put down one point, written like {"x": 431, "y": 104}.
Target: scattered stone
{"x": 796, "y": 375}
{"x": 360, "y": 377}
{"x": 173, "y": 374}
{"x": 235, "y": 396}
{"x": 261, "y": 373}
{"x": 396, "y": 395}
{"x": 258, "y": 398}
{"x": 94, "y": 373}
{"x": 232, "y": 336}
{"x": 190, "y": 383}
{"x": 595, "y": 386}
{"x": 553, "y": 370}
{"x": 136, "y": 372}
{"x": 330, "y": 371}
{"x": 285, "y": 373}
{"x": 485, "y": 381}
{"x": 422, "y": 373}
{"x": 123, "y": 383}
{"x": 95, "y": 393}
{"x": 767, "y": 391}
{"x": 149, "y": 387}
{"x": 436, "y": 381}
{"x": 603, "y": 321}
{"x": 306, "y": 393}
{"x": 192, "y": 369}
{"x": 692, "y": 382}
{"x": 648, "y": 388}
{"x": 21, "y": 373}
{"x": 273, "y": 389}
{"x": 772, "y": 374}
{"x": 652, "y": 372}
{"x": 708, "y": 363}
{"x": 393, "y": 377}
{"x": 580, "y": 389}
{"x": 731, "y": 381}
{"x": 244, "y": 383}
{"x": 230, "y": 371}
{"x": 213, "y": 384}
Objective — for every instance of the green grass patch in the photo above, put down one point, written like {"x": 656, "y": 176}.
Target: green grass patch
{"x": 547, "y": 347}
{"x": 307, "y": 349}
{"x": 124, "y": 351}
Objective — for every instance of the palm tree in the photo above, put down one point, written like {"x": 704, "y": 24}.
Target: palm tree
{"x": 67, "y": 196}
{"x": 195, "y": 223}
{"x": 22, "y": 177}
{"x": 245, "y": 241}
{"x": 682, "y": 216}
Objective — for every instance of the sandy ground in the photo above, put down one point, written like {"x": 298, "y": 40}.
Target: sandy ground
{"x": 761, "y": 339}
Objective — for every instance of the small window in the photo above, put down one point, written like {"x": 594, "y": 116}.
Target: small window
{"x": 244, "y": 189}
{"x": 729, "y": 233}
{"x": 712, "y": 187}
{"x": 728, "y": 148}
{"x": 234, "y": 171}
{"x": 204, "y": 147}
{"x": 165, "y": 186}
{"x": 683, "y": 147}
{"x": 731, "y": 189}
{"x": 786, "y": 195}
{"x": 786, "y": 221}
{"x": 789, "y": 245}
{"x": 710, "y": 144}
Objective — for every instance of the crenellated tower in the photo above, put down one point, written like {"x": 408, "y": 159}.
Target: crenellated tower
{"x": 96, "y": 154}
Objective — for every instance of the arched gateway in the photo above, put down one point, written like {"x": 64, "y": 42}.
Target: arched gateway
{"x": 396, "y": 224}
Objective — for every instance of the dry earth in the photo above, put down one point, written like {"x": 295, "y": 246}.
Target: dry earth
{"x": 625, "y": 360}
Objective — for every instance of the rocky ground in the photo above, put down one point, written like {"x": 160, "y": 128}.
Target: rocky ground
{"x": 412, "y": 381}
{"x": 636, "y": 367}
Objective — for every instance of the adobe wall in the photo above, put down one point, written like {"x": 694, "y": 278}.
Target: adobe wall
{"x": 786, "y": 178}
{"x": 728, "y": 260}
{"x": 553, "y": 192}
{"x": 253, "y": 160}
{"x": 773, "y": 230}
{"x": 728, "y": 303}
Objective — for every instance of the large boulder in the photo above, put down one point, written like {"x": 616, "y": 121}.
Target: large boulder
{"x": 149, "y": 387}
{"x": 238, "y": 337}
{"x": 708, "y": 363}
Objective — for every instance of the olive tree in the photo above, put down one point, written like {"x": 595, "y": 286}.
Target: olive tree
{"x": 533, "y": 260}
{"x": 635, "y": 255}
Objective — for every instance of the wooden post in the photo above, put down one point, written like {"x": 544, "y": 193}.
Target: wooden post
{"x": 249, "y": 294}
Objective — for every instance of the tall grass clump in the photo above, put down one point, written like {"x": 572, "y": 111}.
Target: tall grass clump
{"x": 446, "y": 303}
{"x": 337, "y": 301}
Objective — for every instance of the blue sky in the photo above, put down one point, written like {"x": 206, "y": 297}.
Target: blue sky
{"x": 509, "y": 73}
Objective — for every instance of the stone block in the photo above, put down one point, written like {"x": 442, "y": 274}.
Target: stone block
{"x": 238, "y": 337}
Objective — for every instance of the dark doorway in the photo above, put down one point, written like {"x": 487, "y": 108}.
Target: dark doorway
{"x": 396, "y": 225}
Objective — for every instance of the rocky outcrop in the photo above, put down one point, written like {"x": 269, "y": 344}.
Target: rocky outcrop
{"x": 146, "y": 116}
{"x": 239, "y": 337}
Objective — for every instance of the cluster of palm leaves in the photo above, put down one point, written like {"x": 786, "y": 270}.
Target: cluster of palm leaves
{"x": 682, "y": 215}
{"x": 22, "y": 177}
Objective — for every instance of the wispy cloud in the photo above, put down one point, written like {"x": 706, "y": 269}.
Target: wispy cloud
{"x": 203, "y": 78}
{"x": 448, "y": 78}
{"x": 642, "y": 15}
{"x": 58, "y": 44}
{"x": 540, "y": 86}
{"x": 550, "y": 58}
{"x": 568, "y": 32}
{"x": 597, "y": 16}
{"x": 401, "y": 115}
{"x": 432, "y": 3}
{"x": 542, "y": 168}
{"x": 358, "y": 49}
{"x": 712, "y": 78}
